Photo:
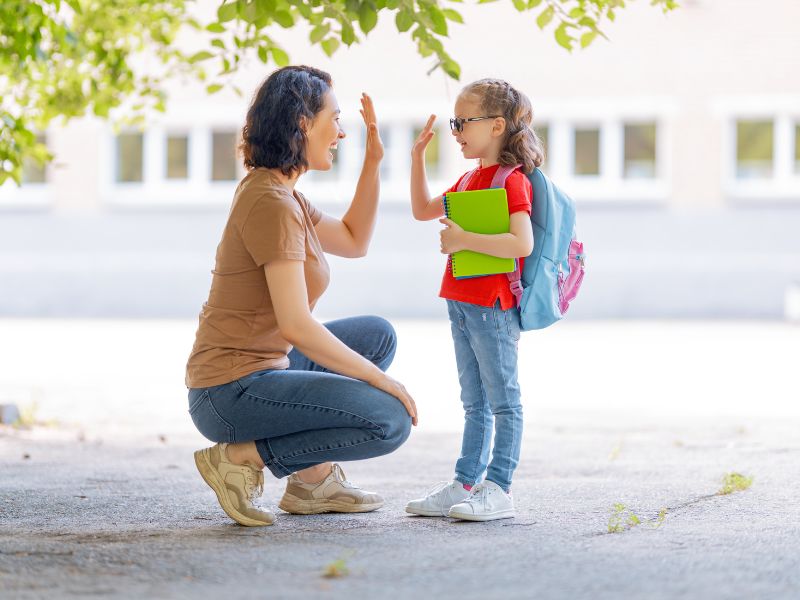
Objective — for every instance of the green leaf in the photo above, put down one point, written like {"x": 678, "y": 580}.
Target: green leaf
{"x": 262, "y": 54}
{"x": 330, "y": 46}
{"x": 284, "y": 18}
{"x": 404, "y": 20}
{"x": 218, "y": 43}
{"x": 452, "y": 68}
{"x": 279, "y": 56}
{"x": 213, "y": 88}
{"x": 348, "y": 35}
{"x": 199, "y": 56}
{"x": 563, "y": 38}
{"x": 520, "y": 5}
{"x": 367, "y": 17}
{"x": 545, "y": 17}
{"x": 438, "y": 18}
{"x": 534, "y": 3}
{"x": 216, "y": 28}
{"x": 227, "y": 12}
{"x": 453, "y": 15}
{"x": 588, "y": 38}
{"x": 319, "y": 32}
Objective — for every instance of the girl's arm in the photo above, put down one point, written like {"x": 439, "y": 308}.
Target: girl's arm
{"x": 422, "y": 206}
{"x": 287, "y": 286}
{"x": 516, "y": 243}
{"x": 350, "y": 235}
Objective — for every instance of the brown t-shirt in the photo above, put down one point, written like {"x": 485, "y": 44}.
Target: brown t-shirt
{"x": 238, "y": 332}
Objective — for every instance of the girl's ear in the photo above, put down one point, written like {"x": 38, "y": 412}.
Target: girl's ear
{"x": 305, "y": 123}
{"x": 499, "y": 127}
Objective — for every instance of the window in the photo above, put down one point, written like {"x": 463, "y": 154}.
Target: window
{"x": 130, "y": 158}
{"x": 223, "y": 156}
{"x": 32, "y": 171}
{"x": 543, "y": 132}
{"x": 177, "y": 157}
{"x": 754, "y": 149}
{"x": 587, "y": 152}
{"x": 433, "y": 156}
{"x": 797, "y": 149}
{"x": 640, "y": 151}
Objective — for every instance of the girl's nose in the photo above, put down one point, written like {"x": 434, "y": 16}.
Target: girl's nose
{"x": 342, "y": 134}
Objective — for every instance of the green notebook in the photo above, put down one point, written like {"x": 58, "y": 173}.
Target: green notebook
{"x": 479, "y": 211}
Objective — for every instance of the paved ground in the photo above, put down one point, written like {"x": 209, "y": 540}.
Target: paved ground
{"x": 102, "y": 503}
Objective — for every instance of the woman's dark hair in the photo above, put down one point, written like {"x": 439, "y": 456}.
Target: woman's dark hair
{"x": 271, "y": 136}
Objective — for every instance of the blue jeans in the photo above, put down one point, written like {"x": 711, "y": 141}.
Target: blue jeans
{"x": 486, "y": 342}
{"x": 306, "y": 415}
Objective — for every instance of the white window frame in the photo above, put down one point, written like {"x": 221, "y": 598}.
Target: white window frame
{"x": 156, "y": 191}
{"x": 784, "y": 112}
{"x": 610, "y": 116}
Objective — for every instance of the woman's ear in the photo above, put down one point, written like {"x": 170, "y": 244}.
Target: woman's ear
{"x": 305, "y": 123}
{"x": 499, "y": 127}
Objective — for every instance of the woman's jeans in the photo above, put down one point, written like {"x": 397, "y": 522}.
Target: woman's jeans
{"x": 306, "y": 415}
{"x": 486, "y": 341}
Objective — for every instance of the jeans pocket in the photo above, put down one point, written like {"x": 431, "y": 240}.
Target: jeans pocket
{"x": 208, "y": 421}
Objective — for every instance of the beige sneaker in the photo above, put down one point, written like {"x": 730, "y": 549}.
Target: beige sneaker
{"x": 237, "y": 486}
{"x": 333, "y": 494}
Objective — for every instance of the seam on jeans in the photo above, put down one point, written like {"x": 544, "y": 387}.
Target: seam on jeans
{"x": 484, "y": 401}
{"x": 506, "y": 381}
{"x": 215, "y": 413}
{"x": 350, "y": 445}
{"x": 324, "y": 408}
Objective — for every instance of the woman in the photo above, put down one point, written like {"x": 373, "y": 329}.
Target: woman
{"x": 269, "y": 383}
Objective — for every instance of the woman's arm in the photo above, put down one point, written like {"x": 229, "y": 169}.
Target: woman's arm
{"x": 422, "y": 206}
{"x": 516, "y": 243}
{"x": 350, "y": 235}
{"x": 287, "y": 286}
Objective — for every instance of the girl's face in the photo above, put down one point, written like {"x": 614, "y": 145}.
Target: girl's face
{"x": 323, "y": 135}
{"x": 477, "y": 139}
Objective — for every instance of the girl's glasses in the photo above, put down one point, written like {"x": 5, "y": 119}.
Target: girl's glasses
{"x": 457, "y": 123}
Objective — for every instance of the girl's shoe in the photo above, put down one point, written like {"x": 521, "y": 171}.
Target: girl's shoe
{"x": 438, "y": 500}
{"x": 237, "y": 486}
{"x": 487, "y": 502}
{"x": 332, "y": 494}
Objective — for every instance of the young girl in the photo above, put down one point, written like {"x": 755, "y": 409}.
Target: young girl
{"x": 492, "y": 124}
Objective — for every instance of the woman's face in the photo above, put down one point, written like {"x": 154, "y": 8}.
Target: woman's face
{"x": 323, "y": 135}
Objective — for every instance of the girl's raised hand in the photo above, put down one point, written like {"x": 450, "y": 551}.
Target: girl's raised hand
{"x": 374, "y": 149}
{"x": 425, "y": 136}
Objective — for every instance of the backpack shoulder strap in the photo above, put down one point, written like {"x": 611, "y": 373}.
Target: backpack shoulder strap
{"x": 500, "y": 176}
{"x": 462, "y": 185}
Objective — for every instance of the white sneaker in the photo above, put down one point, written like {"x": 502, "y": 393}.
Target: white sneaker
{"x": 487, "y": 502}
{"x": 438, "y": 500}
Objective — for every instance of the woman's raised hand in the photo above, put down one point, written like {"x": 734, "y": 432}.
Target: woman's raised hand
{"x": 425, "y": 136}
{"x": 374, "y": 148}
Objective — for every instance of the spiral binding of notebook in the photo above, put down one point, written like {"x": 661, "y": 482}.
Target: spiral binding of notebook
{"x": 450, "y": 257}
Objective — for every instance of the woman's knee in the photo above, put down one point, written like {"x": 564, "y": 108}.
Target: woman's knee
{"x": 386, "y": 344}
{"x": 396, "y": 426}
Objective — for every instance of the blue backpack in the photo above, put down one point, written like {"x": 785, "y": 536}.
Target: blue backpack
{"x": 552, "y": 274}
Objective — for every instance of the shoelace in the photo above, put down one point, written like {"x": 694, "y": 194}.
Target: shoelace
{"x": 253, "y": 484}
{"x": 479, "y": 494}
{"x": 338, "y": 473}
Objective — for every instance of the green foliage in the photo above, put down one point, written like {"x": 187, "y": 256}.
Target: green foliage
{"x": 73, "y": 57}
{"x": 67, "y": 58}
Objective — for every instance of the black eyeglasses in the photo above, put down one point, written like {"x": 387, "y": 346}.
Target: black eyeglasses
{"x": 457, "y": 123}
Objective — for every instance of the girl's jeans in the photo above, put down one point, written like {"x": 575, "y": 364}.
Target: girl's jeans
{"x": 305, "y": 415}
{"x": 486, "y": 341}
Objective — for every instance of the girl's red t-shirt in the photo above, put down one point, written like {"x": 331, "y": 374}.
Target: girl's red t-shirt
{"x": 484, "y": 291}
